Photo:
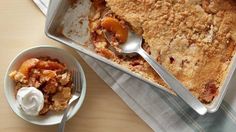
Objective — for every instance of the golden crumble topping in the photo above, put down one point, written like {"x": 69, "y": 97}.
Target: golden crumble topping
{"x": 193, "y": 39}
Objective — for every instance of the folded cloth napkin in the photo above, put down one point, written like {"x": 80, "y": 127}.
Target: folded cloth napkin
{"x": 160, "y": 110}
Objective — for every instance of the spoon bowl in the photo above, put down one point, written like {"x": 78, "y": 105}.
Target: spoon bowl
{"x": 133, "y": 43}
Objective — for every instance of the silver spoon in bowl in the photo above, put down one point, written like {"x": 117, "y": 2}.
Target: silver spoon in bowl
{"x": 134, "y": 45}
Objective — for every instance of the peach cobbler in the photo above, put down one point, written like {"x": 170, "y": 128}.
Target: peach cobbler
{"x": 42, "y": 76}
{"x": 192, "y": 39}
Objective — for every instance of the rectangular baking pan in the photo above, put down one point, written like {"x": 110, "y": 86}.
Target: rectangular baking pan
{"x": 60, "y": 11}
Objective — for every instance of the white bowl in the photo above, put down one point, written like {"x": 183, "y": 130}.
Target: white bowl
{"x": 50, "y": 118}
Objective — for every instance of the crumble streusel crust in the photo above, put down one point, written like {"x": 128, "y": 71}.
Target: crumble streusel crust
{"x": 193, "y": 39}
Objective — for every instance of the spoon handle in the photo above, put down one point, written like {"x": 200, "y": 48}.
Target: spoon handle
{"x": 173, "y": 83}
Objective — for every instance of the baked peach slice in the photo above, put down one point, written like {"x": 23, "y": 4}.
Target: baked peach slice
{"x": 114, "y": 26}
{"x": 27, "y": 65}
{"x": 50, "y": 65}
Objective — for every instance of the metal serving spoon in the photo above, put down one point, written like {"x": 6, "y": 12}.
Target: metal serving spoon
{"x": 133, "y": 45}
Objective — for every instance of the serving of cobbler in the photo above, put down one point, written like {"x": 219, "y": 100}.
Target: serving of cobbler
{"x": 193, "y": 39}
{"x": 49, "y": 76}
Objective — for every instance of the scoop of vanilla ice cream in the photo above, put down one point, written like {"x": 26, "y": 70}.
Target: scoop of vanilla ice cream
{"x": 30, "y": 99}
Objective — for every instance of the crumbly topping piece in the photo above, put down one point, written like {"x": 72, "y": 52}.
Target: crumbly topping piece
{"x": 60, "y": 99}
{"x": 18, "y": 76}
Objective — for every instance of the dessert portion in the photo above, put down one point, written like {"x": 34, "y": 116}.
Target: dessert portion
{"x": 193, "y": 39}
{"x": 42, "y": 85}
